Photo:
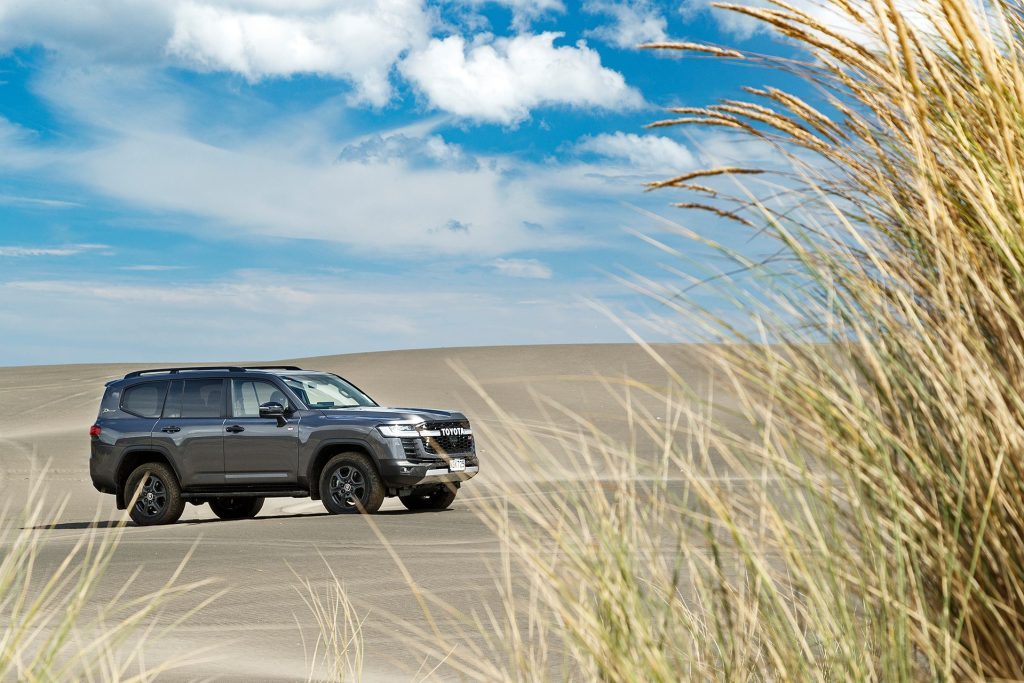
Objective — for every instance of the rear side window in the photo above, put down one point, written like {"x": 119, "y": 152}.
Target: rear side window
{"x": 144, "y": 400}
{"x": 201, "y": 398}
{"x": 111, "y": 402}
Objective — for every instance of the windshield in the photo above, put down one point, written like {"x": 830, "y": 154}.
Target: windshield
{"x": 326, "y": 391}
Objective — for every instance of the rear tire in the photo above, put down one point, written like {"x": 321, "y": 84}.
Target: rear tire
{"x": 438, "y": 498}
{"x": 159, "y": 500}
{"x": 236, "y": 508}
{"x": 350, "y": 484}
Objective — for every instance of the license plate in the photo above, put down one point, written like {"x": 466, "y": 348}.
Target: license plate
{"x": 457, "y": 465}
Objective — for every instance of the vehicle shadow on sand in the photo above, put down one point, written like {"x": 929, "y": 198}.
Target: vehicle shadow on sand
{"x": 110, "y": 524}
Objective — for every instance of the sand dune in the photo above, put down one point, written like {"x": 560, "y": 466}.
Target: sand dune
{"x": 50, "y": 410}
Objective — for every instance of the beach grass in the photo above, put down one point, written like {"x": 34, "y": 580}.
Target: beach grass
{"x": 865, "y": 520}
{"x": 56, "y": 626}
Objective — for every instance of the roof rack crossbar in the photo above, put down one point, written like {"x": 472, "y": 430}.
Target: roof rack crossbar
{"x": 174, "y": 371}
{"x": 272, "y": 367}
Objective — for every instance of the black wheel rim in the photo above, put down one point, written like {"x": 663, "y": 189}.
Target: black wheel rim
{"x": 152, "y": 498}
{"x": 348, "y": 486}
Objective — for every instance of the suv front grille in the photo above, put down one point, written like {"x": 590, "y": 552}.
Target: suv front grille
{"x": 438, "y": 446}
{"x": 449, "y": 444}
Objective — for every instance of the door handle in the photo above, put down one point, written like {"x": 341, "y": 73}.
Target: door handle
{"x": 235, "y": 429}
{"x": 171, "y": 430}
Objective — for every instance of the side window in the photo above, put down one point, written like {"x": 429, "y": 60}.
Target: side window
{"x": 144, "y": 400}
{"x": 202, "y": 398}
{"x": 111, "y": 401}
{"x": 247, "y": 395}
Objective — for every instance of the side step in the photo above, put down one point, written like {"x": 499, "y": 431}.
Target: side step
{"x": 247, "y": 493}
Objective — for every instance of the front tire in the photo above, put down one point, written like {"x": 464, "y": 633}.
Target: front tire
{"x": 159, "y": 500}
{"x": 437, "y": 498}
{"x": 236, "y": 508}
{"x": 350, "y": 484}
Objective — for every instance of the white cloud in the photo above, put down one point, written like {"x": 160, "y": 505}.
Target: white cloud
{"x": 358, "y": 41}
{"x": 368, "y": 205}
{"x": 71, "y": 250}
{"x": 361, "y": 192}
{"x": 643, "y": 152}
{"x": 355, "y": 40}
{"x": 501, "y": 80}
{"x": 634, "y": 22}
{"x": 524, "y": 268}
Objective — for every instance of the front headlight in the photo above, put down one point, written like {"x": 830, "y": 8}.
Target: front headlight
{"x": 399, "y": 430}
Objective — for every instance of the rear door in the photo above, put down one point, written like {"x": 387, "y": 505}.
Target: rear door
{"x": 259, "y": 450}
{"x": 192, "y": 429}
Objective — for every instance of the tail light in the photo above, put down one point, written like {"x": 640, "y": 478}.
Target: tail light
{"x": 95, "y": 431}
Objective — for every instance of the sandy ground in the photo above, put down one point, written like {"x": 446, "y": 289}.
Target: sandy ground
{"x": 259, "y": 629}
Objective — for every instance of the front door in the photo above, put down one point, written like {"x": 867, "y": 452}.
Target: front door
{"x": 259, "y": 450}
{"x": 192, "y": 430}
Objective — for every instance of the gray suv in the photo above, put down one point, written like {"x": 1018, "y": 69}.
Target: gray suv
{"x": 233, "y": 436}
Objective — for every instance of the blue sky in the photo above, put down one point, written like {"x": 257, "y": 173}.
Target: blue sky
{"x": 240, "y": 179}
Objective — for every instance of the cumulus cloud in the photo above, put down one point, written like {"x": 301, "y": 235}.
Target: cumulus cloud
{"x": 523, "y": 268}
{"x": 501, "y": 80}
{"x": 377, "y": 193}
{"x": 644, "y": 152}
{"x": 633, "y": 22}
{"x": 357, "y": 41}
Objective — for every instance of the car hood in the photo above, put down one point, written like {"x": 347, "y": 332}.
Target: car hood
{"x": 392, "y": 414}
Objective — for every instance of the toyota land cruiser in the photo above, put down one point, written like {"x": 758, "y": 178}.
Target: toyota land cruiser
{"x": 233, "y": 436}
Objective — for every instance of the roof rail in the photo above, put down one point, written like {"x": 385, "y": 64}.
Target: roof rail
{"x": 174, "y": 371}
{"x": 271, "y": 367}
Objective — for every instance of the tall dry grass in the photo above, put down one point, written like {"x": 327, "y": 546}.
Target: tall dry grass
{"x": 866, "y": 523}
{"x": 339, "y": 649}
{"x": 51, "y": 628}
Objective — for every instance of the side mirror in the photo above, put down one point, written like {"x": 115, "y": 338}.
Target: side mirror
{"x": 273, "y": 409}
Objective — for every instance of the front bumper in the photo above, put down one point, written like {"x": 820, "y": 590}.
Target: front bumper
{"x": 404, "y": 474}
{"x": 412, "y": 464}
{"x": 440, "y": 475}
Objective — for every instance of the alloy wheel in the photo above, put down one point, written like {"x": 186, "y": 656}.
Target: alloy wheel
{"x": 152, "y": 498}
{"x": 348, "y": 486}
